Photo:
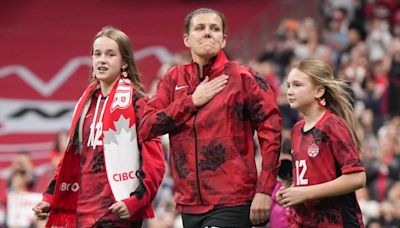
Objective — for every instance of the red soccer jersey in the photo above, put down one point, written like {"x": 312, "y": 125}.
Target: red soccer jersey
{"x": 320, "y": 155}
{"x": 95, "y": 196}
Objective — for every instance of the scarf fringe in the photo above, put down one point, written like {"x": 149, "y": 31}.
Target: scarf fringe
{"x": 61, "y": 221}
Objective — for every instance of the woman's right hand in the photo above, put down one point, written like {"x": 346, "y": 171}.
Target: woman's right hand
{"x": 208, "y": 89}
{"x": 42, "y": 210}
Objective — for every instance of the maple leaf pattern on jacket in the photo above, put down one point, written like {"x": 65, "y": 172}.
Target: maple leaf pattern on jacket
{"x": 136, "y": 97}
{"x": 256, "y": 114}
{"x": 239, "y": 110}
{"x": 214, "y": 157}
{"x": 179, "y": 164}
{"x": 262, "y": 82}
{"x": 166, "y": 124}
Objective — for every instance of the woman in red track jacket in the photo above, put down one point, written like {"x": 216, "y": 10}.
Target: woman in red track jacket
{"x": 211, "y": 109}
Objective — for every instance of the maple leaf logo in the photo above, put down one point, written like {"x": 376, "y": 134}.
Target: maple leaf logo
{"x": 179, "y": 164}
{"x": 164, "y": 125}
{"x": 122, "y": 134}
{"x": 214, "y": 157}
{"x": 121, "y": 155}
{"x": 262, "y": 83}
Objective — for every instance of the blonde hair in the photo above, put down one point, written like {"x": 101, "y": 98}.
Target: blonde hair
{"x": 125, "y": 48}
{"x": 337, "y": 93}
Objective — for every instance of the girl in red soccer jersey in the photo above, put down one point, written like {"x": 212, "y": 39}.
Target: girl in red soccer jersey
{"x": 106, "y": 178}
{"x": 325, "y": 148}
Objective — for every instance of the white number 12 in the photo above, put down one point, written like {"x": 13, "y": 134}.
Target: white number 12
{"x": 301, "y": 169}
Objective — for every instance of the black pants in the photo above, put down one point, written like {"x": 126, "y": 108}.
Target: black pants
{"x": 222, "y": 217}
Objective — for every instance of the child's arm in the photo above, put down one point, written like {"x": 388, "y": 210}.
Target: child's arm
{"x": 344, "y": 184}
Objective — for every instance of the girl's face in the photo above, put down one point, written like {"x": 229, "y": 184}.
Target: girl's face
{"x": 301, "y": 92}
{"x": 107, "y": 60}
{"x": 206, "y": 37}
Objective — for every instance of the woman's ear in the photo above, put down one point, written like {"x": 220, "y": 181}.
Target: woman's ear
{"x": 186, "y": 40}
{"x": 320, "y": 91}
{"x": 224, "y": 41}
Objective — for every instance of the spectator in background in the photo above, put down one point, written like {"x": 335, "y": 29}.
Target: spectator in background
{"x": 383, "y": 170}
{"x": 391, "y": 208}
{"x": 17, "y": 201}
{"x": 356, "y": 69}
{"x": 393, "y": 102}
{"x": 356, "y": 34}
{"x": 211, "y": 108}
{"x": 23, "y": 164}
{"x": 312, "y": 45}
{"x": 60, "y": 144}
{"x": 336, "y": 34}
{"x": 280, "y": 217}
{"x": 370, "y": 208}
{"x": 379, "y": 36}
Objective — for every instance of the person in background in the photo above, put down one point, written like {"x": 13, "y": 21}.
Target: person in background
{"x": 280, "y": 216}
{"x": 327, "y": 169}
{"x": 22, "y": 163}
{"x": 60, "y": 143}
{"x": 211, "y": 109}
{"x": 83, "y": 193}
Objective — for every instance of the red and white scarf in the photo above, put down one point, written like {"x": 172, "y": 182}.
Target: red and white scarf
{"x": 121, "y": 152}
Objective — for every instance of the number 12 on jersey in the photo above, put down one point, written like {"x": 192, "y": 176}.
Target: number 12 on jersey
{"x": 301, "y": 169}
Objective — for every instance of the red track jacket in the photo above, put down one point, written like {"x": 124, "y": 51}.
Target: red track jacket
{"x": 212, "y": 149}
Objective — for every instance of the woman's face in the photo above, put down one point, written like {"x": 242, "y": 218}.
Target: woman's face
{"x": 106, "y": 60}
{"x": 206, "y": 37}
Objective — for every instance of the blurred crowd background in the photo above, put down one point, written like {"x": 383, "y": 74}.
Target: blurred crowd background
{"x": 359, "y": 38}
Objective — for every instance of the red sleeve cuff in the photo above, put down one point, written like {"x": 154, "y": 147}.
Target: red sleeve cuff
{"x": 266, "y": 183}
{"x": 353, "y": 169}
{"x": 136, "y": 211}
{"x": 48, "y": 198}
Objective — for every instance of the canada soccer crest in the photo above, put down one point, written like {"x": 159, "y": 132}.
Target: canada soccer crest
{"x": 313, "y": 150}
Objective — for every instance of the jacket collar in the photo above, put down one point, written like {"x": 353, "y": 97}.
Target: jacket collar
{"x": 214, "y": 67}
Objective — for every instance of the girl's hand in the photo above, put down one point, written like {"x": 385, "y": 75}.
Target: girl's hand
{"x": 41, "y": 210}
{"x": 120, "y": 209}
{"x": 292, "y": 196}
{"x": 278, "y": 196}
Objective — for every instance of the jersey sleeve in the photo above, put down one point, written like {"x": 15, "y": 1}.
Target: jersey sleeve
{"x": 344, "y": 148}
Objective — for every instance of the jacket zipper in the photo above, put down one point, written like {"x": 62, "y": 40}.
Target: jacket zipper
{"x": 196, "y": 157}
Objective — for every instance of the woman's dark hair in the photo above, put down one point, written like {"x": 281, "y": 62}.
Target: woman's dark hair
{"x": 189, "y": 17}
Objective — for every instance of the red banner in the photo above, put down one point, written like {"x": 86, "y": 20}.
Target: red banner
{"x": 45, "y": 58}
